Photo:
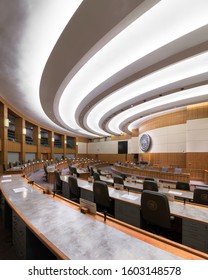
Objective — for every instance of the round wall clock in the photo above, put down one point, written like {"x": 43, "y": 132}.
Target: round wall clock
{"x": 145, "y": 142}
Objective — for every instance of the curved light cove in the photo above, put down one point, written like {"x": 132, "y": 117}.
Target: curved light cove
{"x": 162, "y": 24}
{"x": 169, "y": 99}
{"x": 45, "y": 22}
{"x": 184, "y": 69}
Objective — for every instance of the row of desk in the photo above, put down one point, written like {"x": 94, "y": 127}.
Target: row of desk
{"x": 127, "y": 209}
{"x": 154, "y": 173}
{"x": 137, "y": 185}
{"x": 44, "y": 228}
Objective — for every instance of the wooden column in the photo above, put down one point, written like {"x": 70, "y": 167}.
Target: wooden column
{"x": 64, "y": 145}
{"x": 3, "y": 136}
{"x": 20, "y": 136}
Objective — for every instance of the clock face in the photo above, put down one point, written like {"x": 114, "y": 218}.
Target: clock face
{"x": 145, "y": 142}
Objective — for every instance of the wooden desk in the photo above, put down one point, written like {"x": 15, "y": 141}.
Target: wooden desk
{"x": 170, "y": 176}
{"x": 127, "y": 209}
{"x": 59, "y": 231}
{"x": 15, "y": 170}
{"x": 206, "y": 176}
{"x": 83, "y": 174}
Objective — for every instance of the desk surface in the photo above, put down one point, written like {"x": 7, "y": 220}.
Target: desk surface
{"x": 138, "y": 185}
{"x": 187, "y": 210}
{"x": 74, "y": 234}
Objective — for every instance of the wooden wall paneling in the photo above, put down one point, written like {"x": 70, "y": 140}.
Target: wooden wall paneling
{"x": 206, "y": 176}
{"x": 14, "y": 147}
{"x": 197, "y": 161}
{"x": 174, "y": 118}
{"x": 197, "y": 111}
{"x": 72, "y": 151}
{"x": 58, "y": 150}
{"x": 165, "y": 159}
{"x": 3, "y": 135}
{"x": 110, "y": 158}
{"x": 30, "y": 148}
{"x": 120, "y": 137}
{"x": 82, "y": 139}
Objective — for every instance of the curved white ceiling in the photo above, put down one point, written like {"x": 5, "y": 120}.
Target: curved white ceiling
{"x": 97, "y": 67}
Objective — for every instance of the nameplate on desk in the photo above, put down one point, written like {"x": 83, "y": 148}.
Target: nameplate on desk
{"x": 17, "y": 190}
{"x": 176, "y": 193}
{"x": 6, "y": 180}
{"x": 7, "y": 176}
{"x": 88, "y": 204}
{"x": 129, "y": 196}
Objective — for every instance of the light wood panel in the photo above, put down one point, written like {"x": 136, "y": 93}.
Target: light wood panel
{"x": 14, "y": 147}
{"x": 197, "y": 111}
{"x": 174, "y": 118}
{"x": 197, "y": 160}
{"x": 120, "y": 137}
{"x": 110, "y": 158}
{"x": 165, "y": 159}
{"x": 206, "y": 176}
{"x": 30, "y": 148}
{"x": 184, "y": 177}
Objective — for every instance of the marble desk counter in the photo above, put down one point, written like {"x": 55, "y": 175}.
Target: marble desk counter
{"x": 76, "y": 235}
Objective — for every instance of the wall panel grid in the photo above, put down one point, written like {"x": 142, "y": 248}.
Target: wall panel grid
{"x": 82, "y": 148}
{"x": 169, "y": 139}
{"x": 110, "y": 147}
{"x": 197, "y": 135}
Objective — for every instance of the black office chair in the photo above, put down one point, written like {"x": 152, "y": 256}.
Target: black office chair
{"x": 4, "y": 168}
{"x": 149, "y": 179}
{"x": 96, "y": 176}
{"x": 74, "y": 171}
{"x": 91, "y": 171}
{"x": 102, "y": 199}
{"x": 124, "y": 176}
{"x": 57, "y": 183}
{"x": 45, "y": 176}
{"x": 74, "y": 190}
{"x": 150, "y": 185}
{"x": 155, "y": 213}
{"x": 99, "y": 171}
{"x": 70, "y": 170}
{"x": 201, "y": 196}
{"x": 118, "y": 180}
{"x": 183, "y": 186}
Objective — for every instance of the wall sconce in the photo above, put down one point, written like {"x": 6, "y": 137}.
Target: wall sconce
{"x": 6, "y": 122}
{"x": 52, "y": 139}
{"x": 65, "y": 142}
{"x": 39, "y": 136}
{"x": 24, "y": 131}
